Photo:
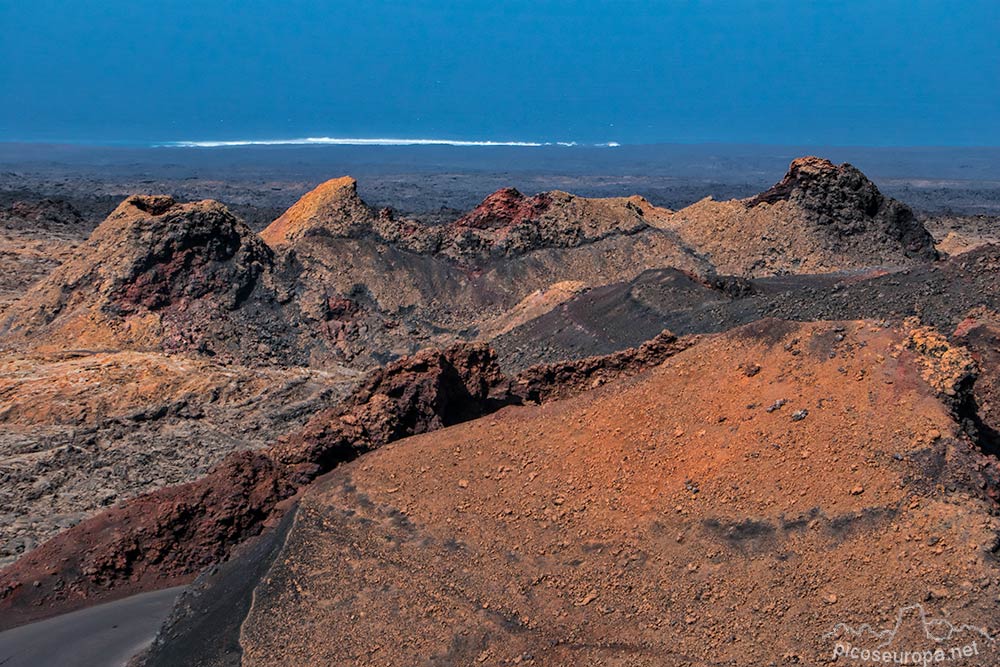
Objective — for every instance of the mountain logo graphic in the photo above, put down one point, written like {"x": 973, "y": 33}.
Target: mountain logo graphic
{"x": 912, "y": 622}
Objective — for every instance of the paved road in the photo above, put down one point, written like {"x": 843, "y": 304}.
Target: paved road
{"x": 107, "y": 635}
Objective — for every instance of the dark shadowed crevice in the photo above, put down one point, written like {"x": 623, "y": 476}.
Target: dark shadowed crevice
{"x": 967, "y": 412}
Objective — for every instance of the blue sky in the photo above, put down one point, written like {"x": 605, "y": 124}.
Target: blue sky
{"x": 877, "y": 72}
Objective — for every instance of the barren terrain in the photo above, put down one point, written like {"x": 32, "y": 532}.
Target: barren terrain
{"x": 438, "y": 425}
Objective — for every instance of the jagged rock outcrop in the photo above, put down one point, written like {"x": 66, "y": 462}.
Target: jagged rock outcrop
{"x": 819, "y": 218}
{"x": 842, "y": 197}
{"x": 159, "y": 275}
{"x": 509, "y": 224}
{"x": 505, "y": 224}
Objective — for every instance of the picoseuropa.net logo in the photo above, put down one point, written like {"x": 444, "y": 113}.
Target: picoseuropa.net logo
{"x": 914, "y": 639}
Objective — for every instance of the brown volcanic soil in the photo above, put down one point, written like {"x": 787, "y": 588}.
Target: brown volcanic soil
{"x": 623, "y": 527}
{"x": 35, "y": 237}
{"x": 190, "y": 289}
{"x": 79, "y": 434}
{"x": 169, "y": 535}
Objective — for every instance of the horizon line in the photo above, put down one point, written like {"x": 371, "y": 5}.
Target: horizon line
{"x": 346, "y": 141}
{"x": 371, "y": 141}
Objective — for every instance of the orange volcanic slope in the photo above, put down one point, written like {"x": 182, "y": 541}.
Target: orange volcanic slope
{"x": 728, "y": 507}
{"x": 335, "y": 203}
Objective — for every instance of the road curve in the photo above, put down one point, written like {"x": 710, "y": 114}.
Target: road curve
{"x": 106, "y": 635}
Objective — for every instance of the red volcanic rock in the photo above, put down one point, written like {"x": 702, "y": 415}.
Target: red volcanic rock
{"x": 195, "y": 252}
{"x": 340, "y": 308}
{"x": 558, "y": 380}
{"x": 168, "y": 536}
{"x": 157, "y": 274}
{"x": 425, "y": 392}
{"x": 505, "y": 208}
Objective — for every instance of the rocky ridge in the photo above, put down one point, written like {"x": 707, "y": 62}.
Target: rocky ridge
{"x": 169, "y": 535}
{"x": 333, "y": 281}
{"x": 825, "y": 478}
{"x": 370, "y": 281}
{"x": 505, "y": 224}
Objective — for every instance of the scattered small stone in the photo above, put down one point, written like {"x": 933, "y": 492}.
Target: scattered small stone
{"x": 799, "y": 415}
{"x": 463, "y": 483}
{"x": 777, "y": 404}
{"x": 857, "y": 490}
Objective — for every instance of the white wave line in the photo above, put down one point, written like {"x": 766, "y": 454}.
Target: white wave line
{"x": 344, "y": 141}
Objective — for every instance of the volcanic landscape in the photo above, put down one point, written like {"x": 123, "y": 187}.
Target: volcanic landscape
{"x": 548, "y": 430}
